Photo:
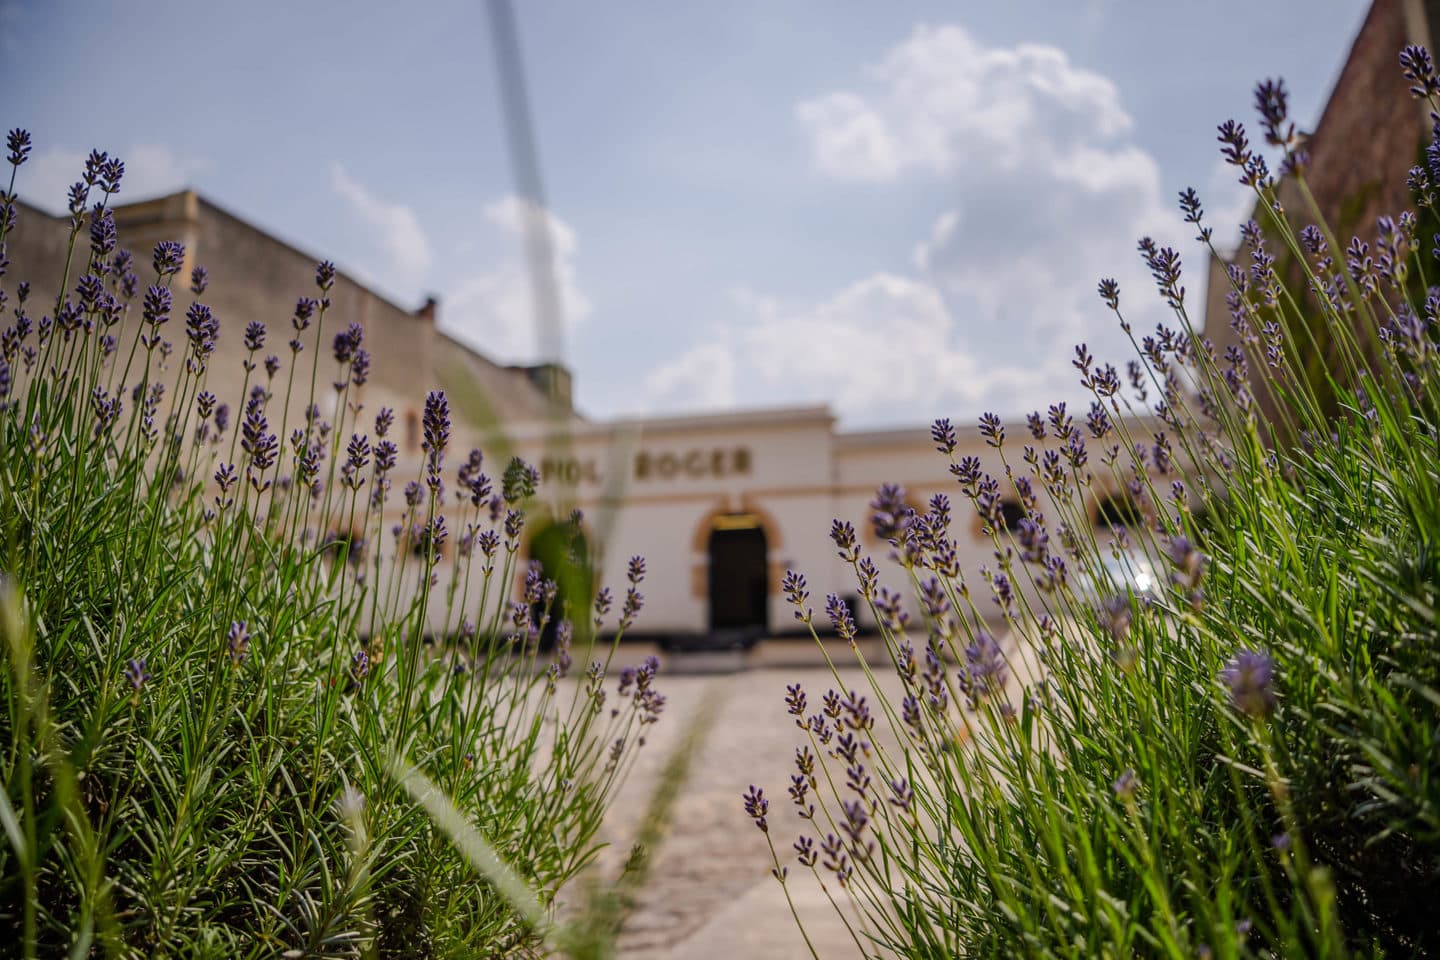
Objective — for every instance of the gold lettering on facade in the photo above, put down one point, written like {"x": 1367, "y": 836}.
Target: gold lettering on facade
{"x": 570, "y": 471}
{"x": 697, "y": 463}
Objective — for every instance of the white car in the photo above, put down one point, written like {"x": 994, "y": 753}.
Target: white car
{"x": 1131, "y": 570}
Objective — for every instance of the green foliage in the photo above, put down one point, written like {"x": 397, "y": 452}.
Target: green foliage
{"x": 1243, "y": 761}
{"x": 219, "y": 682}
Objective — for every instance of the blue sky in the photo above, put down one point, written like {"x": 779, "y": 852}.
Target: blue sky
{"x": 898, "y": 209}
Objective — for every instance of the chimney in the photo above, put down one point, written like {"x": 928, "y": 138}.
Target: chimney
{"x": 553, "y": 380}
{"x": 427, "y": 311}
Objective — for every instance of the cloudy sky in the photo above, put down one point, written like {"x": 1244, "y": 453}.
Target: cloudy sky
{"x": 899, "y": 209}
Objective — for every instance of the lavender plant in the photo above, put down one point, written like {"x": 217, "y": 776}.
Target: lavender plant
{"x": 1213, "y": 731}
{"x": 239, "y": 665}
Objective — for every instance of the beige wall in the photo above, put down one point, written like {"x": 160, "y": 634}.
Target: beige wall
{"x": 650, "y": 487}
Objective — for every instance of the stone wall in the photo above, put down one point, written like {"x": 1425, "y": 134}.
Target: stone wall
{"x": 1367, "y": 139}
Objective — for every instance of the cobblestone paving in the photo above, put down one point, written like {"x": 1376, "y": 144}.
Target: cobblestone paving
{"x": 710, "y": 892}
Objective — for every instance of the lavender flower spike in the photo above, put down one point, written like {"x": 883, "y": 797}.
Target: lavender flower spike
{"x": 756, "y": 807}
{"x": 18, "y": 143}
{"x": 1251, "y": 678}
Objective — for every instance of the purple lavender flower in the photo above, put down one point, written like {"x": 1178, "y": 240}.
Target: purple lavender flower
{"x": 942, "y": 432}
{"x": 238, "y": 640}
{"x": 842, "y": 533}
{"x": 967, "y": 473}
{"x": 1115, "y": 616}
{"x": 853, "y": 825}
{"x": 793, "y": 586}
{"x": 429, "y": 539}
{"x": 255, "y": 336}
{"x": 347, "y": 341}
{"x": 1125, "y": 786}
{"x": 756, "y": 807}
{"x": 304, "y": 310}
{"x": 635, "y": 570}
{"x": 795, "y": 701}
{"x": 18, "y": 143}
{"x": 225, "y": 477}
{"x": 868, "y": 575}
{"x": 1295, "y": 163}
{"x": 102, "y": 234}
{"x": 1164, "y": 264}
{"x": 79, "y": 194}
{"x": 889, "y": 512}
{"x": 805, "y": 848}
{"x": 984, "y": 671}
{"x": 156, "y": 305}
{"x": 106, "y": 408}
{"x": 385, "y": 452}
{"x": 357, "y": 453}
{"x": 890, "y": 607}
{"x": 257, "y": 441}
{"x": 168, "y": 258}
{"x": 436, "y": 422}
{"x": 1419, "y": 69}
{"x": 93, "y": 166}
{"x": 992, "y": 430}
{"x": 111, "y": 173}
{"x": 199, "y": 280}
{"x": 832, "y": 849}
{"x": 1189, "y": 562}
{"x": 1250, "y": 676}
{"x": 840, "y": 618}
{"x": 360, "y": 367}
{"x": 634, "y": 601}
{"x": 137, "y": 674}
{"x": 1271, "y": 103}
{"x": 201, "y": 328}
{"x": 325, "y": 275}
{"x": 1109, "y": 291}
{"x": 1235, "y": 146}
{"x": 90, "y": 288}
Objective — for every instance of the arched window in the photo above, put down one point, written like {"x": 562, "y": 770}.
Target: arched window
{"x": 412, "y": 432}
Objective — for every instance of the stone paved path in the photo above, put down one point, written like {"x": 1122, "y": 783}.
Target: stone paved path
{"x": 710, "y": 893}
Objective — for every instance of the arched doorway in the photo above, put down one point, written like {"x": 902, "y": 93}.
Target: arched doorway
{"x": 739, "y": 573}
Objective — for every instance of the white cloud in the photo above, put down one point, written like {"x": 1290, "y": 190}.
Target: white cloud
{"x": 151, "y": 170}
{"x": 493, "y": 310}
{"x": 394, "y": 226}
{"x": 942, "y": 102}
{"x": 701, "y": 378}
{"x": 851, "y": 141}
{"x": 1044, "y": 194}
{"x": 877, "y": 351}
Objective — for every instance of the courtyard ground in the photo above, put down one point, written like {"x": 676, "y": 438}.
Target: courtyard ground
{"x": 709, "y": 893}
